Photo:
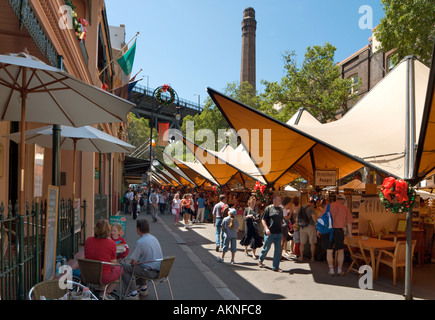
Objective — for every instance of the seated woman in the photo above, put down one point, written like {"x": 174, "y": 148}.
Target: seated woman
{"x": 100, "y": 247}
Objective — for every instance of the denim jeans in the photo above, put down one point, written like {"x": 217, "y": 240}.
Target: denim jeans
{"x": 219, "y": 233}
{"x": 274, "y": 238}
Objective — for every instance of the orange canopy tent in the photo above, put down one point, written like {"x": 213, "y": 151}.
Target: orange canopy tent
{"x": 282, "y": 152}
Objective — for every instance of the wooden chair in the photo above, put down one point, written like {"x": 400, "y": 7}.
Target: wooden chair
{"x": 165, "y": 269}
{"x": 418, "y": 236}
{"x": 394, "y": 260}
{"x": 371, "y": 231}
{"x": 91, "y": 273}
{"x": 357, "y": 253}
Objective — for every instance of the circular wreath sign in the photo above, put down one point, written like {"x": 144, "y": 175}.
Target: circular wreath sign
{"x": 397, "y": 196}
{"x": 168, "y": 101}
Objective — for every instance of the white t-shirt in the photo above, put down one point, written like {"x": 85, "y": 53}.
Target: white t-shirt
{"x": 176, "y": 203}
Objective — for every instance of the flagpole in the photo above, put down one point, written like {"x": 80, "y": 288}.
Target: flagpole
{"x": 122, "y": 49}
{"x": 130, "y": 82}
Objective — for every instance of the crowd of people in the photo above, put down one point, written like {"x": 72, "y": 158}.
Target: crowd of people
{"x": 284, "y": 224}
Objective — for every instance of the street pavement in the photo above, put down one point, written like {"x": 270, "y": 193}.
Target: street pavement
{"x": 196, "y": 274}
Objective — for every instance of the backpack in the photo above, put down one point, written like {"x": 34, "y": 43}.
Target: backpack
{"x": 302, "y": 219}
{"x": 324, "y": 223}
{"x": 142, "y": 201}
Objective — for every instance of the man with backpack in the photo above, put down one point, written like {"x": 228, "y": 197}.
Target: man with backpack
{"x": 306, "y": 221}
{"x": 341, "y": 218}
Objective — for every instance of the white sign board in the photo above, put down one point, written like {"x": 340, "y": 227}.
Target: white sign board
{"x": 325, "y": 178}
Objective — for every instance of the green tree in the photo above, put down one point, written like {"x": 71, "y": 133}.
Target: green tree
{"x": 211, "y": 118}
{"x": 408, "y": 27}
{"x": 316, "y": 85}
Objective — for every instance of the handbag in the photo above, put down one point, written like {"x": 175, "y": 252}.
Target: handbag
{"x": 174, "y": 211}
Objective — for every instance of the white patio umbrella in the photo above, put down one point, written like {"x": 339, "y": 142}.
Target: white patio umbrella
{"x": 77, "y": 139}
{"x": 33, "y": 91}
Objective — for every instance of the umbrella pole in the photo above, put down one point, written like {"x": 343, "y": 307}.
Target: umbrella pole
{"x": 21, "y": 203}
{"x": 74, "y": 170}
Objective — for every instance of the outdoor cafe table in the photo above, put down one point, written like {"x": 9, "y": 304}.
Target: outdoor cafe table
{"x": 375, "y": 244}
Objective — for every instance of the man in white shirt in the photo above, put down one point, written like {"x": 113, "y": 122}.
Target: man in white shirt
{"x": 147, "y": 248}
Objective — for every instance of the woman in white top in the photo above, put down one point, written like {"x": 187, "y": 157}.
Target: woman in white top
{"x": 176, "y": 207}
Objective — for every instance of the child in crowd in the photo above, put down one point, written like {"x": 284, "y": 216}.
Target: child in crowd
{"x": 229, "y": 227}
{"x": 115, "y": 235}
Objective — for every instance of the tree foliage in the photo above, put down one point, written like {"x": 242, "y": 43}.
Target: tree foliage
{"x": 408, "y": 27}
{"x": 316, "y": 85}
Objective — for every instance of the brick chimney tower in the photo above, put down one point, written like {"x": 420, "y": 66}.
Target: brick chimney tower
{"x": 249, "y": 28}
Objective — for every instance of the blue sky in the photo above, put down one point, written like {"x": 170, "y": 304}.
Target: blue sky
{"x": 195, "y": 44}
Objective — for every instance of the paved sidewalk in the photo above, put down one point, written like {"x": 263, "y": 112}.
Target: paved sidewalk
{"x": 196, "y": 274}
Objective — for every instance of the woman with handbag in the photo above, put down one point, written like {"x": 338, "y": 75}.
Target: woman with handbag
{"x": 251, "y": 216}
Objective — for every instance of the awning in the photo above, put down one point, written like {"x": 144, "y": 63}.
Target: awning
{"x": 178, "y": 174}
{"x": 221, "y": 170}
{"x": 375, "y": 128}
{"x": 194, "y": 170}
{"x": 281, "y": 152}
{"x": 425, "y": 158}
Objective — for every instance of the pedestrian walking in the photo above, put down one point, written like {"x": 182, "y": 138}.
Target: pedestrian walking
{"x": 217, "y": 221}
{"x": 176, "y": 207}
{"x": 286, "y": 237}
{"x": 130, "y": 197}
{"x": 272, "y": 223}
{"x": 186, "y": 209}
{"x": 154, "y": 203}
{"x": 229, "y": 229}
{"x": 296, "y": 242}
{"x": 307, "y": 228}
{"x": 162, "y": 202}
{"x": 341, "y": 219}
{"x": 201, "y": 208}
{"x": 251, "y": 217}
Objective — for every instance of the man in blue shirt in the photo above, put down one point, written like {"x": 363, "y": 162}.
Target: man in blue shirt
{"x": 217, "y": 221}
{"x": 201, "y": 208}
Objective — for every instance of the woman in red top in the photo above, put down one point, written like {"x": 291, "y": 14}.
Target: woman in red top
{"x": 102, "y": 248}
{"x": 186, "y": 209}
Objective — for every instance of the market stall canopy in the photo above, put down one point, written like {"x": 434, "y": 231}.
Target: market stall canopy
{"x": 240, "y": 159}
{"x": 375, "y": 128}
{"x": 194, "y": 170}
{"x": 425, "y": 158}
{"x": 221, "y": 170}
{"x": 355, "y": 184}
{"x": 178, "y": 174}
{"x": 168, "y": 176}
{"x": 303, "y": 116}
{"x": 281, "y": 152}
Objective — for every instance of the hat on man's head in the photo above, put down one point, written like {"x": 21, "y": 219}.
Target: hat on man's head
{"x": 233, "y": 212}
{"x": 341, "y": 197}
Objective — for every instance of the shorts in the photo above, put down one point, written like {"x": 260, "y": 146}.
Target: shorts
{"x": 308, "y": 233}
{"x": 228, "y": 242}
{"x": 337, "y": 241}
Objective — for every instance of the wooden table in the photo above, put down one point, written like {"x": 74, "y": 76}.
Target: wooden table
{"x": 374, "y": 244}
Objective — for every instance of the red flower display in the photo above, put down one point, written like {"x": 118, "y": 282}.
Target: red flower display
{"x": 401, "y": 191}
{"x": 386, "y": 187}
{"x": 262, "y": 189}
